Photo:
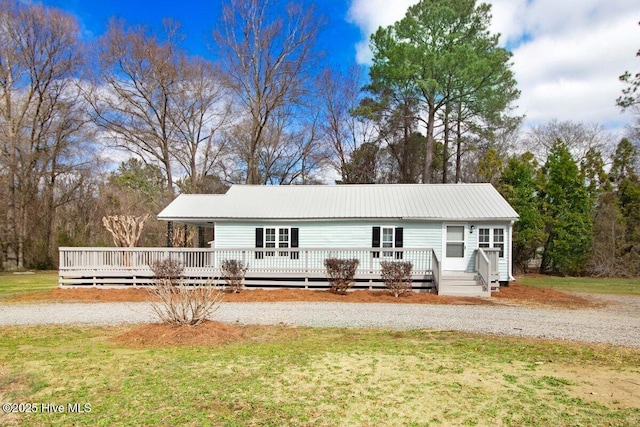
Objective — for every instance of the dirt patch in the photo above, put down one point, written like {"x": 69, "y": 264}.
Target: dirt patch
{"x": 514, "y": 294}
{"x": 611, "y": 387}
{"x": 207, "y": 333}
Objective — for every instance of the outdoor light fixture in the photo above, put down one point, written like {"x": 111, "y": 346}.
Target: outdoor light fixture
{"x": 473, "y": 227}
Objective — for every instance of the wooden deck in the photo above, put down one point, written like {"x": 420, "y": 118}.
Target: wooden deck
{"x": 267, "y": 267}
{"x": 272, "y": 267}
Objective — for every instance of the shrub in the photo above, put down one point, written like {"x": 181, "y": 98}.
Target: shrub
{"x": 233, "y": 272}
{"x": 397, "y": 276}
{"x": 169, "y": 269}
{"x": 341, "y": 273}
{"x": 177, "y": 303}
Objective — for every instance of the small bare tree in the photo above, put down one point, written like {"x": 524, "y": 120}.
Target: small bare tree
{"x": 125, "y": 229}
{"x": 182, "y": 236}
{"x": 233, "y": 272}
{"x": 177, "y": 303}
{"x": 397, "y": 277}
{"x": 341, "y": 273}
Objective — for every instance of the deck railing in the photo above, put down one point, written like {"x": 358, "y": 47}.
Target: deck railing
{"x": 92, "y": 262}
{"x": 487, "y": 266}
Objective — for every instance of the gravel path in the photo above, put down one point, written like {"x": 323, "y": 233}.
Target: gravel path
{"x": 618, "y": 323}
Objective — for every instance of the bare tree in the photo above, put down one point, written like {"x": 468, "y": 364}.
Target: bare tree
{"x": 40, "y": 117}
{"x": 343, "y": 131}
{"x": 200, "y": 109}
{"x": 125, "y": 229}
{"x": 131, "y": 98}
{"x": 579, "y": 138}
{"x": 266, "y": 50}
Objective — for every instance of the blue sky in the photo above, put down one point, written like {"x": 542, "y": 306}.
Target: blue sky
{"x": 198, "y": 18}
{"x": 567, "y": 54}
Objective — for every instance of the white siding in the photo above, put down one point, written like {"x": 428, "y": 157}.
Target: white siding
{"x": 331, "y": 234}
{"x": 358, "y": 234}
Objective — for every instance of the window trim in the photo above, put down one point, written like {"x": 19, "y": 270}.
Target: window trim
{"x": 378, "y": 241}
{"x": 493, "y": 243}
{"x": 275, "y": 245}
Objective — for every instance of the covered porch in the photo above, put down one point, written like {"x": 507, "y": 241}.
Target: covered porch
{"x": 272, "y": 267}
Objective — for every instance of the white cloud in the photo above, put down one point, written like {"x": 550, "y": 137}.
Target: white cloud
{"x": 567, "y": 55}
{"x": 369, "y": 15}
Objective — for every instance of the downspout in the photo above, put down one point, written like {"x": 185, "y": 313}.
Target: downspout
{"x": 510, "y": 263}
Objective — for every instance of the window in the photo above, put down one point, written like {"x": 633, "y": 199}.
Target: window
{"x": 277, "y": 237}
{"x": 387, "y": 241}
{"x": 283, "y": 241}
{"x": 498, "y": 240}
{"x": 387, "y": 237}
{"x": 484, "y": 238}
{"x": 492, "y": 238}
{"x": 270, "y": 240}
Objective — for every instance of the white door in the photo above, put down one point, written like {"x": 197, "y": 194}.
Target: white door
{"x": 453, "y": 257}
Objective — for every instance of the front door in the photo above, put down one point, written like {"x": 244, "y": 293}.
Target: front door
{"x": 453, "y": 258}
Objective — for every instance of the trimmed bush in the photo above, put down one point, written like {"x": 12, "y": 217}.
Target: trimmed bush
{"x": 341, "y": 273}
{"x": 397, "y": 276}
{"x": 233, "y": 272}
{"x": 169, "y": 269}
{"x": 177, "y": 303}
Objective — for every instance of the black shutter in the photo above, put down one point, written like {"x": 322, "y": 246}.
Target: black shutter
{"x": 398, "y": 237}
{"x": 375, "y": 241}
{"x": 259, "y": 242}
{"x": 398, "y": 241}
{"x": 294, "y": 242}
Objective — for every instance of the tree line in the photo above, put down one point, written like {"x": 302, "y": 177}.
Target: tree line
{"x": 121, "y": 124}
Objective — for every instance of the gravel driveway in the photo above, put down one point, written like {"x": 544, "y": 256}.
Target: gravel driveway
{"x": 617, "y": 323}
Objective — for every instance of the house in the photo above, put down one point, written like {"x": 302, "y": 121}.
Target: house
{"x": 457, "y": 237}
{"x": 286, "y": 232}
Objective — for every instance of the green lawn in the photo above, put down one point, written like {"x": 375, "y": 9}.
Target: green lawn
{"x": 280, "y": 376}
{"x": 584, "y": 284}
{"x": 12, "y": 283}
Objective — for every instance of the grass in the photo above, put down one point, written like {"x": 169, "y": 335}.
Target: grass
{"x": 584, "y": 284}
{"x": 280, "y": 376}
{"x": 16, "y": 283}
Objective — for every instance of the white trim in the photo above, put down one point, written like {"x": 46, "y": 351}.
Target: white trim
{"x": 460, "y": 265}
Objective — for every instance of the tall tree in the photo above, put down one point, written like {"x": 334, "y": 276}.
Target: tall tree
{"x": 442, "y": 51}
{"x": 266, "y": 49}
{"x": 132, "y": 95}
{"x": 626, "y": 183}
{"x": 631, "y": 94}
{"x": 41, "y": 121}
{"x": 578, "y": 137}
{"x": 342, "y": 130}
{"x": 567, "y": 209}
{"x": 394, "y": 112}
{"x": 200, "y": 109}
{"x": 518, "y": 185}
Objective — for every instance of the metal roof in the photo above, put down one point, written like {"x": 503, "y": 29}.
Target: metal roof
{"x": 375, "y": 201}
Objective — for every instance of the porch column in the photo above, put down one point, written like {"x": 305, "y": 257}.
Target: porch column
{"x": 201, "y": 237}
{"x": 170, "y": 234}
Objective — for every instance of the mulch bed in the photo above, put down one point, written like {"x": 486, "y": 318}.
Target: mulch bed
{"x": 515, "y": 294}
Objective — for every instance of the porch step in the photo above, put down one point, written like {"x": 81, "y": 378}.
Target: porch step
{"x": 460, "y": 284}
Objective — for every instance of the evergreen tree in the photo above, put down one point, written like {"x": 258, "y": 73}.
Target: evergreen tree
{"x": 567, "y": 211}
{"x": 626, "y": 183}
{"x": 518, "y": 186}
